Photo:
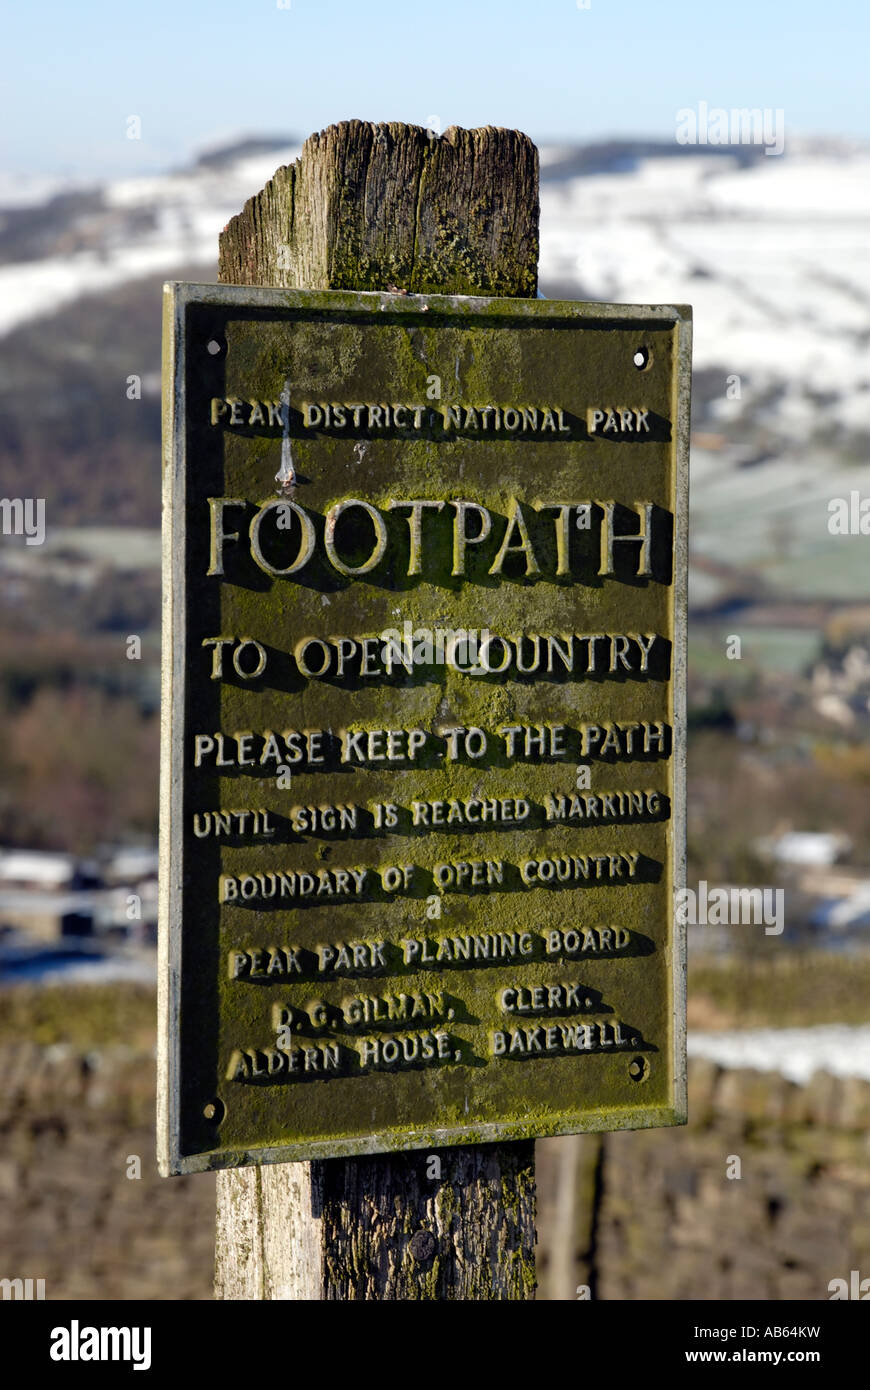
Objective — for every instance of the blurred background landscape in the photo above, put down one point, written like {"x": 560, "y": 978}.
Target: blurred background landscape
{"x": 774, "y": 256}
{"x": 779, "y": 277}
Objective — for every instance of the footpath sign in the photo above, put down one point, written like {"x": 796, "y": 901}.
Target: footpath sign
{"x": 423, "y": 746}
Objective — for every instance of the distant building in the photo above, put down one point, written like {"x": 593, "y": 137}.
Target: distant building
{"x": 806, "y": 848}
{"x": 36, "y": 869}
{"x": 841, "y": 685}
{"x": 47, "y": 916}
{"x": 49, "y": 896}
{"x": 844, "y": 914}
{"x": 129, "y": 864}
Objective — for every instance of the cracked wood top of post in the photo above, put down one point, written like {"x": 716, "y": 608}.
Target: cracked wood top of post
{"x": 370, "y": 206}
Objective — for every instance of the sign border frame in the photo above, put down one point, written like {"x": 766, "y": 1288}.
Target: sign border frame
{"x": 177, "y": 296}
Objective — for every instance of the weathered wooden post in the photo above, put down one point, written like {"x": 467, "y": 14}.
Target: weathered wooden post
{"x": 372, "y": 745}
{"x": 370, "y": 208}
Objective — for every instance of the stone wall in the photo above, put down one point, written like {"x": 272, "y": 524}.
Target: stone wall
{"x": 645, "y": 1215}
{"x": 656, "y": 1216}
{"x": 70, "y": 1122}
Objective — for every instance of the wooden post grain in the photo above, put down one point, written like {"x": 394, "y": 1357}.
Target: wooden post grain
{"x": 380, "y": 207}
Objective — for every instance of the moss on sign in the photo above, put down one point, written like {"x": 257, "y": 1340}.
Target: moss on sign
{"x": 423, "y": 744}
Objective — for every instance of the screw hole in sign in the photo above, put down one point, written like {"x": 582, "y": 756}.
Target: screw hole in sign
{"x": 638, "y": 1069}
{"x": 213, "y": 347}
{"x": 642, "y": 358}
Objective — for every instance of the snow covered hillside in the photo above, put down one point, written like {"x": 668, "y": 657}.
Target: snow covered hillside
{"x": 773, "y": 254}
{"x": 795, "y": 1052}
{"x": 774, "y": 258}
{"x": 96, "y": 239}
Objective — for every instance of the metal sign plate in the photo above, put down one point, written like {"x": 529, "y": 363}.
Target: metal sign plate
{"x": 422, "y": 770}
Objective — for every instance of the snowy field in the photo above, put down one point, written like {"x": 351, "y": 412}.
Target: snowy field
{"x": 190, "y": 209}
{"x": 794, "y": 1052}
{"x": 774, "y": 258}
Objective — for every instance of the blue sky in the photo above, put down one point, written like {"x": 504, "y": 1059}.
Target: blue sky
{"x": 196, "y": 71}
